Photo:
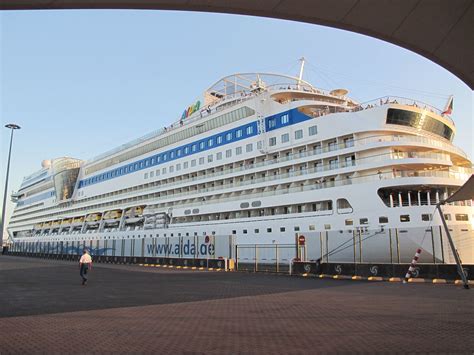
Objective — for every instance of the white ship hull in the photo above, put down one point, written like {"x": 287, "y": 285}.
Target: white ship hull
{"x": 264, "y": 166}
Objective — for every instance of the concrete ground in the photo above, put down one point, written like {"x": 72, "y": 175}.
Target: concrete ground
{"x": 132, "y": 309}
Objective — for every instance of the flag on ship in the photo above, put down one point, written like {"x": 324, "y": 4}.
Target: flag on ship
{"x": 449, "y": 107}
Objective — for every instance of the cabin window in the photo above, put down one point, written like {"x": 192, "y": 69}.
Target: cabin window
{"x": 272, "y": 141}
{"x": 201, "y": 145}
{"x": 249, "y": 130}
{"x": 210, "y": 142}
{"x": 299, "y": 134}
{"x": 461, "y": 217}
{"x": 383, "y": 219}
{"x": 228, "y": 153}
{"x": 219, "y": 156}
{"x": 349, "y": 222}
{"x": 363, "y": 221}
{"x": 201, "y": 160}
{"x": 272, "y": 123}
{"x": 426, "y": 217}
{"x": 313, "y": 130}
{"x": 228, "y": 137}
{"x": 405, "y": 218}
{"x": 285, "y": 137}
{"x": 238, "y": 133}
{"x": 249, "y": 147}
{"x": 219, "y": 139}
{"x": 284, "y": 119}
{"x": 282, "y": 229}
{"x": 238, "y": 150}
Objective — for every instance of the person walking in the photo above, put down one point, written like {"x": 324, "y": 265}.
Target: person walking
{"x": 85, "y": 263}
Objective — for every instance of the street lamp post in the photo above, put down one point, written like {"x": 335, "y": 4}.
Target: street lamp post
{"x": 12, "y": 127}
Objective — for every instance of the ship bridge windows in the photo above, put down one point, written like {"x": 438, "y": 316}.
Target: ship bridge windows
{"x": 420, "y": 121}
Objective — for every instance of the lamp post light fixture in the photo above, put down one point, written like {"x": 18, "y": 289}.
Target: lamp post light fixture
{"x": 12, "y": 127}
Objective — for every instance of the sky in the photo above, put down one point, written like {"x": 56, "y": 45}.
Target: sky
{"x": 82, "y": 82}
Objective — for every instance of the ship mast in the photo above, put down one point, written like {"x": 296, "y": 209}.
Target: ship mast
{"x": 300, "y": 76}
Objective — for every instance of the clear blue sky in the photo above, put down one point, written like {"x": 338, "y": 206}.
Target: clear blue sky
{"x": 82, "y": 82}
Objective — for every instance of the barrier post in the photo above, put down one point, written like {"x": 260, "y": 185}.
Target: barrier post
{"x": 412, "y": 265}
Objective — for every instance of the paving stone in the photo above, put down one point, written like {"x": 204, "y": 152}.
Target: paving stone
{"x": 131, "y": 309}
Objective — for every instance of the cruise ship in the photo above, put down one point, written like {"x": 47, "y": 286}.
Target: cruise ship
{"x": 263, "y": 159}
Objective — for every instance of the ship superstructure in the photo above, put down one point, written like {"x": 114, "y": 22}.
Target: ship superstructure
{"x": 264, "y": 158}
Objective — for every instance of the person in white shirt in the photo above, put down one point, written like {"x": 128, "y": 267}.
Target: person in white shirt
{"x": 85, "y": 263}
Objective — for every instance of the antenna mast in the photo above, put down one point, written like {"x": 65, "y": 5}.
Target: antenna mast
{"x": 300, "y": 76}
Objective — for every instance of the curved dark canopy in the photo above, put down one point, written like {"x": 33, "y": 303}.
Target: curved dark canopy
{"x": 441, "y": 30}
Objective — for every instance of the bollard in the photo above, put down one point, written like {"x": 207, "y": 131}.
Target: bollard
{"x": 412, "y": 265}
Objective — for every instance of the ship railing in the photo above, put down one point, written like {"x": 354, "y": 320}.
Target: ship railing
{"x": 386, "y": 100}
{"x": 408, "y": 139}
{"x": 217, "y": 106}
{"x": 342, "y": 164}
{"x": 197, "y": 116}
{"x": 323, "y": 184}
{"x": 305, "y": 170}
